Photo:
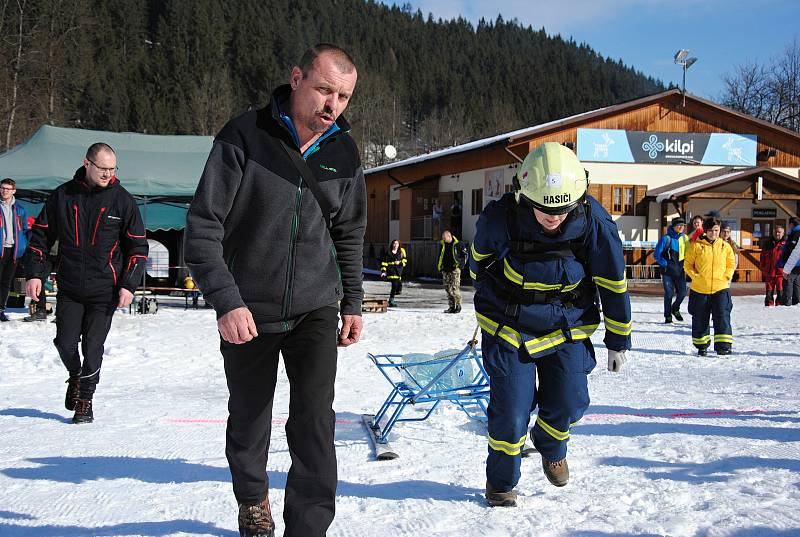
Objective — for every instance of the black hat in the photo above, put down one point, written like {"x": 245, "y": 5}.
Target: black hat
{"x": 677, "y": 221}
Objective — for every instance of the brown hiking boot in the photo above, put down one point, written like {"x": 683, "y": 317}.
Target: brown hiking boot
{"x": 256, "y": 520}
{"x": 500, "y": 499}
{"x": 83, "y": 411}
{"x": 73, "y": 391}
{"x": 557, "y": 472}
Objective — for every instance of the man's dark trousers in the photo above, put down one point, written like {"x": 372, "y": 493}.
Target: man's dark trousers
{"x": 7, "y": 269}
{"x": 309, "y": 355}
{"x": 673, "y": 285}
{"x": 87, "y": 320}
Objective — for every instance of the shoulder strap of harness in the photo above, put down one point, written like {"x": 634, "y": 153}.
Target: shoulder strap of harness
{"x": 531, "y": 250}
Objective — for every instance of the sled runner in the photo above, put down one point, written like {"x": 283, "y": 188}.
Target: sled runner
{"x": 454, "y": 375}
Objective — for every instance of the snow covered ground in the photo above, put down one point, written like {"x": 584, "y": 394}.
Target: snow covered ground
{"x": 674, "y": 445}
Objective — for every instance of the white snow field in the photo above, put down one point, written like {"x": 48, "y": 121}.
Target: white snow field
{"x": 673, "y": 445}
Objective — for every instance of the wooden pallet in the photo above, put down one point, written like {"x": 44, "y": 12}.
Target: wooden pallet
{"x": 375, "y": 305}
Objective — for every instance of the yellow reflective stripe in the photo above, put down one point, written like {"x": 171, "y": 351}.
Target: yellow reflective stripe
{"x": 473, "y": 275}
{"x": 476, "y": 255}
{"x": 583, "y": 332}
{"x": 616, "y": 286}
{"x": 508, "y": 334}
{"x": 552, "y": 431}
{"x": 516, "y": 278}
{"x": 623, "y": 329}
{"x": 486, "y": 323}
{"x": 511, "y": 274}
{"x": 701, "y": 340}
{"x": 723, "y": 338}
{"x": 511, "y": 336}
{"x": 537, "y": 345}
{"x": 549, "y": 286}
{"x": 506, "y": 447}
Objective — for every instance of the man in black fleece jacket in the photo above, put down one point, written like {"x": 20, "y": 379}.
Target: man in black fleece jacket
{"x": 259, "y": 247}
{"x": 102, "y": 254}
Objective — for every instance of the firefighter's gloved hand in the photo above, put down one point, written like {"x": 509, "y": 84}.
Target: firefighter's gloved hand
{"x": 615, "y": 360}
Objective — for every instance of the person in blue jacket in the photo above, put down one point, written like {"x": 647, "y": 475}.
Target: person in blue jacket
{"x": 669, "y": 254}
{"x": 13, "y": 230}
{"x": 539, "y": 256}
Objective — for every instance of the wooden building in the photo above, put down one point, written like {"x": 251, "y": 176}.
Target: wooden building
{"x": 649, "y": 160}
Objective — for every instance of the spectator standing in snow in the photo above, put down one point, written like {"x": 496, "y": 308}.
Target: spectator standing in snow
{"x": 726, "y": 235}
{"x": 392, "y": 269}
{"x": 710, "y": 264}
{"x": 13, "y": 235}
{"x": 697, "y": 228}
{"x": 451, "y": 258}
{"x": 669, "y": 254}
{"x": 790, "y": 266}
{"x": 274, "y": 240}
{"x": 773, "y": 276}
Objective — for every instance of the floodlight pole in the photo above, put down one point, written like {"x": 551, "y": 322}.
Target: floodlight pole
{"x": 683, "y": 63}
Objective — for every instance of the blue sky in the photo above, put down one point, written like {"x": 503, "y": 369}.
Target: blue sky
{"x": 646, "y": 34}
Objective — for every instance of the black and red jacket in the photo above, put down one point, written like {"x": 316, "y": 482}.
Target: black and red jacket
{"x": 101, "y": 238}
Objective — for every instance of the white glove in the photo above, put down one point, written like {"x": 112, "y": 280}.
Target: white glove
{"x": 615, "y": 360}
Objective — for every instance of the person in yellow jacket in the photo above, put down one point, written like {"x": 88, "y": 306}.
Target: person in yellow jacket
{"x": 710, "y": 263}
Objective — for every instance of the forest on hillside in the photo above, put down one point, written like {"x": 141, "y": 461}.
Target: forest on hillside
{"x": 187, "y": 66}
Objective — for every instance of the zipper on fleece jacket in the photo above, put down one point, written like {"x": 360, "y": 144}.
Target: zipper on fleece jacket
{"x": 97, "y": 224}
{"x": 287, "y": 293}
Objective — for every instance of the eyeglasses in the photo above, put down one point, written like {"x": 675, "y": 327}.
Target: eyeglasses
{"x": 8, "y": 188}
{"x": 104, "y": 170}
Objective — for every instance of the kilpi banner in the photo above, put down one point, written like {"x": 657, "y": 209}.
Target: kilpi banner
{"x": 610, "y": 145}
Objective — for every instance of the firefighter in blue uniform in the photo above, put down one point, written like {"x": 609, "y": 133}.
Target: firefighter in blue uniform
{"x": 539, "y": 256}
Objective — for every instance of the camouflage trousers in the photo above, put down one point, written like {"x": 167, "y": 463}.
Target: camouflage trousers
{"x": 452, "y": 285}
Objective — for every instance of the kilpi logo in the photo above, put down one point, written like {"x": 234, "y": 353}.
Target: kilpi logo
{"x": 674, "y": 147}
{"x": 653, "y": 146}
{"x": 328, "y": 168}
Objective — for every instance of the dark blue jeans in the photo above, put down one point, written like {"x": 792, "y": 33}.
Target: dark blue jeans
{"x": 673, "y": 285}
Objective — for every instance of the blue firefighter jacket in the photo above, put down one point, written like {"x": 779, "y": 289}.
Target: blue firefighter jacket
{"x": 543, "y": 327}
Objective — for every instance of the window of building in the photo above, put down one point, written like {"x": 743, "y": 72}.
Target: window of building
{"x": 477, "y": 200}
{"x": 622, "y": 197}
{"x": 394, "y": 210}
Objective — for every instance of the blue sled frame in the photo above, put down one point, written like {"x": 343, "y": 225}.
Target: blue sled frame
{"x": 472, "y": 398}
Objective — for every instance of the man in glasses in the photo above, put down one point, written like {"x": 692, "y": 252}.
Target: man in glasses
{"x": 274, "y": 239}
{"x": 101, "y": 258}
{"x": 13, "y": 229}
{"x": 539, "y": 256}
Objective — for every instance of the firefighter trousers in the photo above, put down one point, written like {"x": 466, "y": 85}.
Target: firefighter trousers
{"x": 562, "y": 396}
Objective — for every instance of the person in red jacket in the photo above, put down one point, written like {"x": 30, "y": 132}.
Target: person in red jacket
{"x": 697, "y": 228}
{"x": 773, "y": 278}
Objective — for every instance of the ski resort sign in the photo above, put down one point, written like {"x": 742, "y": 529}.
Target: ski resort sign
{"x": 611, "y": 145}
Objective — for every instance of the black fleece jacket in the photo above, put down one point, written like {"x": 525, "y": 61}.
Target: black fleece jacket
{"x": 255, "y": 234}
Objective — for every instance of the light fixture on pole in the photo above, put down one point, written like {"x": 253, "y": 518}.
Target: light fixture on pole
{"x": 682, "y": 60}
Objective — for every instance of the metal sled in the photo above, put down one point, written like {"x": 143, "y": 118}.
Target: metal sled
{"x": 455, "y": 376}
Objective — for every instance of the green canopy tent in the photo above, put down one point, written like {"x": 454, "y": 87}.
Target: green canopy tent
{"x": 160, "y": 171}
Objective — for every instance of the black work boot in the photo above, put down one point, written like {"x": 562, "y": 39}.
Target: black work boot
{"x": 677, "y": 315}
{"x": 256, "y": 520}
{"x": 556, "y": 472}
{"x": 83, "y": 411}
{"x": 500, "y": 499}
{"x": 457, "y": 309}
{"x": 73, "y": 391}
{"x": 451, "y": 309}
